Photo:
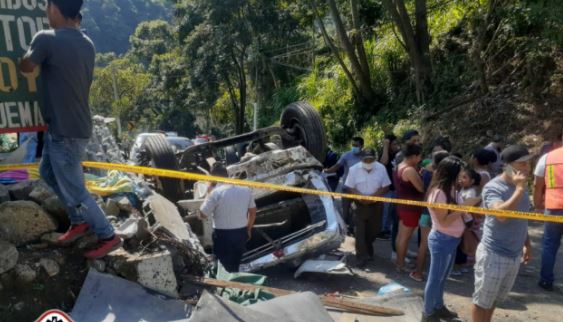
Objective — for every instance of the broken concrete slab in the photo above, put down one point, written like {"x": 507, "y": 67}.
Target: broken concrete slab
{"x": 168, "y": 217}
{"x": 8, "y": 256}
{"x": 50, "y": 266}
{"x": 129, "y": 228}
{"x": 111, "y": 208}
{"x": 24, "y": 221}
{"x": 211, "y": 307}
{"x": 125, "y": 205}
{"x": 296, "y": 307}
{"x": 107, "y": 298}
{"x": 154, "y": 271}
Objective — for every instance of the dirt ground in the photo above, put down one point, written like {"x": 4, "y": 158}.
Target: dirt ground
{"x": 527, "y": 302}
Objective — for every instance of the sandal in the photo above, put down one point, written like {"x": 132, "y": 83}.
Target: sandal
{"x": 401, "y": 269}
{"x": 416, "y": 277}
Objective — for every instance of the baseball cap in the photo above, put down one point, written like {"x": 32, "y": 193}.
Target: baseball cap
{"x": 515, "y": 153}
{"x": 368, "y": 154}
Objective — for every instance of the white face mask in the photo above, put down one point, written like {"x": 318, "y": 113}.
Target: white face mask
{"x": 367, "y": 166}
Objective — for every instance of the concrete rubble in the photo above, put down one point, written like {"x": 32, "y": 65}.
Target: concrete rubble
{"x": 159, "y": 247}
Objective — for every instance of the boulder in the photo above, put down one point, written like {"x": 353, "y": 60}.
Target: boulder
{"x": 4, "y": 194}
{"x": 56, "y": 209}
{"x": 21, "y": 190}
{"x": 8, "y": 256}
{"x": 41, "y": 192}
{"x": 25, "y": 273}
{"x": 24, "y": 221}
{"x": 50, "y": 266}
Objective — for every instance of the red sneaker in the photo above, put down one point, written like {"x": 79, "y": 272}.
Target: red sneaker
{"x": 73, "y": 233}
{"x": 104, "y": 247}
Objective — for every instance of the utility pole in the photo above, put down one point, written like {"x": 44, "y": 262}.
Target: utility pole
{"x": 115, "y": 99}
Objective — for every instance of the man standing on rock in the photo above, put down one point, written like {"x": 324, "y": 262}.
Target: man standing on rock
{"x": 548, "y": 197}
{"x": 505, "y": 243}
{"x": 66, "y": 58}
{"x": 368, "y": 178}
{"x": 233, "y": 211}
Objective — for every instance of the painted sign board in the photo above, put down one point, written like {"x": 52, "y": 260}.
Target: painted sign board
{"x": 19, "y": 93}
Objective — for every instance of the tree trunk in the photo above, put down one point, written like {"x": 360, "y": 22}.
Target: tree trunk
{"x": 361, "y": 75}
{"x": 416, "y": 40}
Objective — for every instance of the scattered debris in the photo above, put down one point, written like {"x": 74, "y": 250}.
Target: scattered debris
{"x": 330, "y": 301}
{"x": 25, "y": 273}
{"x": 24, "y": 221}
{"x": 8, "y": 256}
{"x": 297, "y": 307}
{"x": 50, "y": 266}
{"x": 324, "y": 264}
{"x": 103, "y": 146}
{"x": 211, "y": 307}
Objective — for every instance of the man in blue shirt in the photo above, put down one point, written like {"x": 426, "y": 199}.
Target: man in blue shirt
{"x": 505, "y": 241}
{"x": 66, "y": 58}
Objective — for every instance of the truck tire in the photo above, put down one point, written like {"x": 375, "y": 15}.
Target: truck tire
{"x": 159, "y": 154}
{"x": 304, "y": 123}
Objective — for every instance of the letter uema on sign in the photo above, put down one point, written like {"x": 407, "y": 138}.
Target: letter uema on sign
{"x": 20, "y": 110}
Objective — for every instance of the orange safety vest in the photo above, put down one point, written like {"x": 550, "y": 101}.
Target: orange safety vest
{"x": 554, "y": 179}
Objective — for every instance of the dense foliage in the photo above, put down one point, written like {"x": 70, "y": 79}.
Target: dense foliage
{"x": 369, "y": 66}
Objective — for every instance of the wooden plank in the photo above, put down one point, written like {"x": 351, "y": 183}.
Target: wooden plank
{"x": 331, "y": 301}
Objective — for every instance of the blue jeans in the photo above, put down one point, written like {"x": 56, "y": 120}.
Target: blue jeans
{"x": 388, "y": 210}
{"x": 550, "y": 245}
{"x": 61, "y": 169}
{"x": 442, "y": 257}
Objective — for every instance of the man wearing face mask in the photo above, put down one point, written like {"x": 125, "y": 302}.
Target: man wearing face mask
{"x": 346, "y": 161}
{"x": 368, "y": 178}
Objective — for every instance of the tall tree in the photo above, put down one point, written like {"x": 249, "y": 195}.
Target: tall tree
{"x": 351, "y": 43}
{"x": 415, "y": 39}
{"x": 222, "y": 42}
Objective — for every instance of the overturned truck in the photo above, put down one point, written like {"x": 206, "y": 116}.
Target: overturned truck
{"x": 289, "y": 227}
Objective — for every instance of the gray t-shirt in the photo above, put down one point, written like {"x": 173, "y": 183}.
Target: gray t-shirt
{"x": 228, "y": 206}
{"x": 348, "y": 160}
{"x": 66, "y": 56}
{"x": 504, "y": 238}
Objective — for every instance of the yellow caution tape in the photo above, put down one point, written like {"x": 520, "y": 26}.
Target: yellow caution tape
{"x": 269, "y": 186}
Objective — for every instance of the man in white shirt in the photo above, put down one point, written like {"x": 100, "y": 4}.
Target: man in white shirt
{"x": 368, "y": 178}
{"x": 233, "y": 211}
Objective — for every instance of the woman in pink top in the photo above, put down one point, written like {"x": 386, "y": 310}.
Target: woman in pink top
{"x": 447, "y": 229}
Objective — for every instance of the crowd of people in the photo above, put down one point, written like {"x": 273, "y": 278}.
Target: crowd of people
{"x": 493, "y": 177}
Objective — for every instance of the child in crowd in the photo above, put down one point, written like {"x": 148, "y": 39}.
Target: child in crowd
{"x": 469, "y": 182}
